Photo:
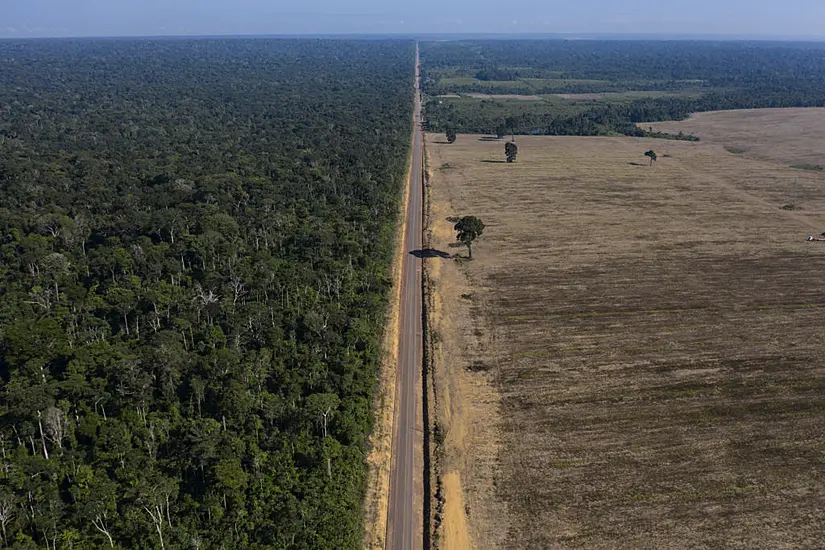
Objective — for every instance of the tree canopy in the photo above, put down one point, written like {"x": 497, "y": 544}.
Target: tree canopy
{"x": 194, "y": 246}
{"x": 469, "y": 228}
{"x": 651, "y": 155}
{"x": 511, "y": 151}
{"x": 627, "y": 82}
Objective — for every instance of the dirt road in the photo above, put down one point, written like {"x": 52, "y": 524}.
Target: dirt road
{"x": 405, "y": 521}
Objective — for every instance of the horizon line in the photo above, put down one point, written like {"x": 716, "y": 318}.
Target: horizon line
{"x": 606, "y": 36}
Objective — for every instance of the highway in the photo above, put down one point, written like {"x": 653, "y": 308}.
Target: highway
{"x": 405, "y": 515}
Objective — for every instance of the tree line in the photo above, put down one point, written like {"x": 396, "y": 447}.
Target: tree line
{"x": 721, "y": 75}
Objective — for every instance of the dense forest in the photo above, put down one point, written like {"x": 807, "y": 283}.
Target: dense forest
{"x": 194, "y": 247}
{"x": 712, "y": 75}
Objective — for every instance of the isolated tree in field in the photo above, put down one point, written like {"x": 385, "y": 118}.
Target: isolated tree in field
{"x": 511, "y": 150}
{"x": 451, "y": 136}
{"x": 652, "y": 156}
{"x": 501, "y": 131}
{"x": 469, "y": 228}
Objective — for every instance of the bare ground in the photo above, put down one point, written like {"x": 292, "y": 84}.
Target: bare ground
{"x": 786, "y": 136}
{"x": 634, "y": 358}
{"x": 467, "y": 404}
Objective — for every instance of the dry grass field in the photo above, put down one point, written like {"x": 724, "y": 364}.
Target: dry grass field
{"x": 786, "y": 136}
{"x": 635, "y": 358}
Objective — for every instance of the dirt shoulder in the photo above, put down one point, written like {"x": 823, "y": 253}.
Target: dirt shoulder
{"x": 466, "y": 404}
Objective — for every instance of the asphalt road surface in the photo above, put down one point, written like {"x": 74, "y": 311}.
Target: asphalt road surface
{"x": 405, "y": 519}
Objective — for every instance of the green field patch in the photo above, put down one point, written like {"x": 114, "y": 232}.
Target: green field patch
{"x": 628, "y": 96}
{"x": 811, "y": 167}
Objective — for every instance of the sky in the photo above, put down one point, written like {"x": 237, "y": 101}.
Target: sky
{"x": 742, "y": 18}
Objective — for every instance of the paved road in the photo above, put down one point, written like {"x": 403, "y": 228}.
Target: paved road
{"x": 405, "y": 520}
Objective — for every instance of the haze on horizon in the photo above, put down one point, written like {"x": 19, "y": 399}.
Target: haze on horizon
{"x": 742, "y": 18}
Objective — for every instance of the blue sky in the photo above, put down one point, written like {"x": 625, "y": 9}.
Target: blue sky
{"x": 787, "y": 18}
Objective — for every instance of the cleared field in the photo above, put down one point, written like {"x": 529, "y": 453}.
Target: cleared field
{"x": 786, "y": 136}
{"x": 635, "y": 356}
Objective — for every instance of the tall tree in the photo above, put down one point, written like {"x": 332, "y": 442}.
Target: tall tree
{"x": 469, "y": 228}
{"x": 511, "y": 150}
{"x": 651, "y": 155}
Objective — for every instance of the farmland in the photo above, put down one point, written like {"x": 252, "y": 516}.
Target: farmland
{"x": 785, "y": 136}
{"x": 633, "y": 357}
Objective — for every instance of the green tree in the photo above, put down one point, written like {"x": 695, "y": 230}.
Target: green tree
{"x": 652, "y": 156}
{"x": 501, "y": 131}
{"x": 511, "y": 150}
{"x": 469, "y": 228}
{"x": 450, "y": 136}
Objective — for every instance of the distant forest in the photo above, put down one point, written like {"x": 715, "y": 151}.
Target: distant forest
{"x": 194, "y": 246}
{"x": 697, "y": 76}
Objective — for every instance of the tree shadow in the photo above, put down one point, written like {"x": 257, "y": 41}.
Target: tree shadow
{"x": 489, "y": 138}
{"x": 430, "y": 253}
{"x": 442, "y": 142}
{"x": 495, "y": 161}
{"x": 636, "y": 164}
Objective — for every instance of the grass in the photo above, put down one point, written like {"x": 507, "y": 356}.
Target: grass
{"x": 502, "y": 106}
{"x": 735, "y": 150}
{"x": 455, "y": 82}
{"x": 658, "y": 326}
{"x": 629, "y": 96}
{"x": 527, "y": 84}
{"x": 805, "y": 166}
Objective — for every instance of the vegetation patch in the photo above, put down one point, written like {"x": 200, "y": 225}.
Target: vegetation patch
{"x": 194, "y": 247}
{"x": 598, "y": 88}
{"x": 805, "y": 166}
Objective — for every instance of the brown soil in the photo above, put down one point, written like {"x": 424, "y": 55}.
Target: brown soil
{"x": 634, "y": 358}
